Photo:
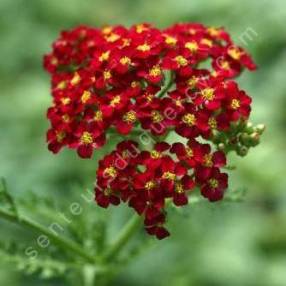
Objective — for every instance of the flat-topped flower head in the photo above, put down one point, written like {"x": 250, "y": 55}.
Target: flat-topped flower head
{"x": 151, "y": 89}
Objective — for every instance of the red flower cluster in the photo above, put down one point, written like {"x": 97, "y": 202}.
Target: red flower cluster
{"x": 179, "y": 79}
{"x": 147, "y": 179}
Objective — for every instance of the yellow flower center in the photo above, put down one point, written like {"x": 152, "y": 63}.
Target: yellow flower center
{"x": 125, "y": 61}
{"x": 170, "y": 40}
{"x": 125, "y": 154}
{"x": 144, "y": 48}
{"x": 192, "y": 82}
{"x": 115, "y": 100}
{"x": 189, "y": 152}
{"x": 60, "y": 136}
{"x": 155, "y": 71}
{"x": 98, "y": 116}
{"x": 179, "y": 188}
{"x": 112, "y": 38}
{"x": 156, "y": 116}
{"x": 65, "y": 100}
{"x": 214, "y": 32}
{"x": 141, "y": 28}
{"x": 126, "y": 43}
{"x": 107, "y": 191}
{"x": 110, "y": 171}
{"x": 62, "y": 85}
{"x": 207, "y": 42}
{"x": 224, "y": 65}
{"x": 150, "y": 185}
{"x": 135, "y": 84}
{"x": 208, "y": 94}
{"x": 213, "y": 183}
{"x": 86, "y": 138}
{"x": 66, "y": 118}
{"x": 214, "y": 73}
{"x": 107, "y": 30}
{"x": 130, "y": 117}
{"x": 85, "y": 96}
{"x": 107, "y": 75}
{"x": 181, "y": 61}
{"x": 192, "y": 46}
{"x": 54, "y": 61}
{"x": 76, "y": 79}
{"x": 149, "y": 97}
{"x": 169, "y": 176}
{"x": 234, "y": 53}
{"x": 104, "y": 56}
{"x": 189, "y": 119}
{"x": 178, "y": 102}
{"x": 155, "y": 154}
{"x": 212, "y": 123}
{"x": 235, "y": 104}
{"x": 192, "y": 31}
{"x": 208, "y": 160}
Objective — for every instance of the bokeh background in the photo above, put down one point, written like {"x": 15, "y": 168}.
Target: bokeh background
{"x": 211, "y": 244}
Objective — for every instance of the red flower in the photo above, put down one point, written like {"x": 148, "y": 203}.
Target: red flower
{"x": 192, "y": 154}
{"x": 146, "y": 47}
{"x": 170, "y": 171}
{"x": 115, "y": 79}
{"x": 191, "y": 122}
{"x": 153, "y": 159}
{"x": 57, "y": 139}
{"x": 106, "y": 197}
{"x": 209, "y": 161}
{"x": 238, "y": 54}
{"x": 155, "y": 117}
{"x": 87, "y": 138}
{"x": 237, "y": 102}
{"x": 159, "y": 231}
{"x": 153, "y": 74}
{"x": 209, "y": 94}
{"x": 180, "y": 196}
{"x": 148, "y": 198}
{"x": 214, "y": 187}
{"x": 177, "y": 62}
{"x": 126, "y": 120}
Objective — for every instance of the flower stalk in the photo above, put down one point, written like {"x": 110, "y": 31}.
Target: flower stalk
{"x": 62, "y": 242}
{"x": 124, "y": 236}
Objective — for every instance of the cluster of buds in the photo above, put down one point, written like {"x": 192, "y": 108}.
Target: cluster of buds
{"x": 141, "y": 79}
{"x": 240, "y": 137}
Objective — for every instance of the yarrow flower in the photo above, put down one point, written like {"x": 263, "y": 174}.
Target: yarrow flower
{"x": 142, "y": 79}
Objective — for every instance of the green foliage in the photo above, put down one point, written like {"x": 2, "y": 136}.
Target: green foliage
{"x": 83, "y": 246}
{"x": 6, "y": 198}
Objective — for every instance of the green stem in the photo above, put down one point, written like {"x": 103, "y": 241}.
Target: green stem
{"x": 89, "y": 274}
{"x": 62, "y": 242}
{"x": 127, "y": 232}
{"x": 8, "y": 197}
{"x": 167, "y": 86}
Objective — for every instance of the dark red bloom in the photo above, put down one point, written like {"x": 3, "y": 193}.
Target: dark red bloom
{"x": 116, "y": 80}
{"x": 214, "y": 187}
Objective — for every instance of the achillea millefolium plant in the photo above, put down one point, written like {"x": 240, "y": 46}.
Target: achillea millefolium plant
{"x": 170, "y": 95}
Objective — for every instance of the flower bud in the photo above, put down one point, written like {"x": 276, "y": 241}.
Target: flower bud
{"x": 260, "y": 128}
{"x": 217, "y": 137}
{"x": 249, "y": 128}
{"x": 244, "y": 139}
{"x": 254, "y": 139}
{"x": 221, "y": 147}
{"x": 242, "y": 151}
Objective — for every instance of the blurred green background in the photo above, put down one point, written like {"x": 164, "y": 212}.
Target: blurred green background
{"x": 211, "y": 244}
